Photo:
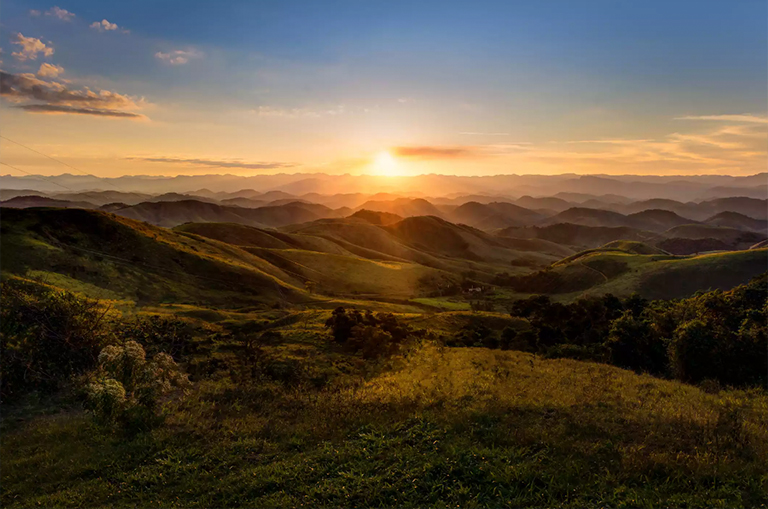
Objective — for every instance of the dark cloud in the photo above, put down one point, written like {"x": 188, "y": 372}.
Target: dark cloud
{"x": 218, "y": 164}
{"x": 434, "y": 152}
{"x": 52, "y": 108}
{"x": 58, "y": 97}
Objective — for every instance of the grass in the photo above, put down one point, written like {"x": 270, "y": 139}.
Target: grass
{"x": 321, "y": 427}
{"x": 602, "y": 271}
{"x": 443, "y": 303}
{"x": 441, "y": 427}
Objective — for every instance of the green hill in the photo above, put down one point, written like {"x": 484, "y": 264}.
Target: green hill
{"x": 634, "y": 247}
{"x": 173, "y": 213}
{"x": 611, "y": 270}
{"x": 95, "y": 252}
{"x": 580, "y": 235}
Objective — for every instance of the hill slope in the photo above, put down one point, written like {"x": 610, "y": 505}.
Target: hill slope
{"x": 170, "y": 214}
{"x": 103, "y": 254}
{"x": 611, "y": 270}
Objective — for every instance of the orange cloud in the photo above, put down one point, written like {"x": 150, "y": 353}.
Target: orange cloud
{"x": 427, "y": 152}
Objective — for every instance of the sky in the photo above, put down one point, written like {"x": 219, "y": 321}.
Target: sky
{"x": 384, "y": 87}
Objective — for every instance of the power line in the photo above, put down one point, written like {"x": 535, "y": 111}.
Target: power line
{"x": 60, "y": 162}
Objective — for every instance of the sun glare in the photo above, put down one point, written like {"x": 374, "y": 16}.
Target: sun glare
{"x": 385, "y": 164}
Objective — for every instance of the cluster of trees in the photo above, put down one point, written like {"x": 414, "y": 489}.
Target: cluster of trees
{"x": 713, "y": 335}
{"x": 370, "y": 334}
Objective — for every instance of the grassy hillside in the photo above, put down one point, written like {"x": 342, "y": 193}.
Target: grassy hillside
{"x": 611, "y": 270}
{"x": 723, "y": 233}
{"x": 242, "y": 235}
{"x": 580, "y": 235}
{"x": 494, "y": 215}
{"x": 739, "y": 221}
{"x": 634, "y": 247}
{"x": 442, "y": 427}
{"x": 173, "y": 213}
{"x": 352, "y": 276}
{"x": 139, "y": 262}
{"x": 375, "y": 217}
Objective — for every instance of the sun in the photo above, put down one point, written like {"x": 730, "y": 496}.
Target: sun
{"x": 385, "y": 164}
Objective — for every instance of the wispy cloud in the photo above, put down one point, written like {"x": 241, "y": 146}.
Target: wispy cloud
{"x": 745, "y": 117}
{"x": 727, "y": 149}
{"x": 40, "y": 96}
{"x": 30, "y": 48}
{"x": 216, "y": 163}
{"x": 434, "y": 152}
{"x": 471, "y": 133}
{"x": 54, "y": 109}
{"x": 617, "y": 141}
{"x": 178, "y": 57}
{"x": 271, "y": 111}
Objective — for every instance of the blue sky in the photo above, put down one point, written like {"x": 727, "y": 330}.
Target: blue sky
{"x": 483, "y": 87}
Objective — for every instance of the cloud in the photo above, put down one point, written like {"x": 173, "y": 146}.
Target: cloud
{"x": 30, "y": 48}
{"x": 106, "y": 26}
{"x": 34, "y": 13}
{"x": 270, "y": 111}
{"x": 434, "y": 152}
{"x": 49, "y": 70}
{"x": 727, "y": 149}
{"x": 216, "y": 163}
{"x": 52, "y": 108}
{"x": 471, "y": 133}
{"x": 746, "y": 117}
{"x": 617, "y": 141}
{"x": 39, "y": 96}
{"x": 178, "y": 57}
{"x": 59, "y": 13}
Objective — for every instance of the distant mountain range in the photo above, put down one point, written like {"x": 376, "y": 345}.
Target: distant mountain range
{"x": 569, "y": 187}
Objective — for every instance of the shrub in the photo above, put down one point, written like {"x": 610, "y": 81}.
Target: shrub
{"x": 46, "y": 337}
{"x": 126, "y": 388}
{"x": 366, "y": 333}
{"x": 161, "y": 334}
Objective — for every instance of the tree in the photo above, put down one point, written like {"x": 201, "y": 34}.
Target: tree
{"x": 693, "y": 352}
{"x": 632, "y": 344}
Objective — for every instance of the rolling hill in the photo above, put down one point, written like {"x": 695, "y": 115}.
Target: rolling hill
{"x": 621, "y": 273}
{"x": 170, "y": 214}
{"x": 494, "y": 215}
{"x": 102, "y": 254}
{"x": 23, "y": 202}
{"x": 731, "y": 236}
{"x": 738, "y": 221}
{"x": 377, "y": 218}
{"x": 656, "y": 220}
{"x": 579, "y": 235}
{"x": 404, "y": 207}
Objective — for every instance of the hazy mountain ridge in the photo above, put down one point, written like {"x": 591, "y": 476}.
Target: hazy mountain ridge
{"x": 689, "y": 188}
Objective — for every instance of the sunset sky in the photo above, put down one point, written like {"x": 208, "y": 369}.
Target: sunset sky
{"x": 386, "y": 87}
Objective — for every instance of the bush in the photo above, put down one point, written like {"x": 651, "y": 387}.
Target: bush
{"x": 126, "y": 388}
{"x": 370, "y": 334}
{"x": 161, "y": 334}
{"x": 47, "y": 336}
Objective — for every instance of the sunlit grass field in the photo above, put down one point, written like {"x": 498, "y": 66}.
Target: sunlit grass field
{"x": 437, "y": 427}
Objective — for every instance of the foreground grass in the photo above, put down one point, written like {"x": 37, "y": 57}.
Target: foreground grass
{"x": 466, "y": 427}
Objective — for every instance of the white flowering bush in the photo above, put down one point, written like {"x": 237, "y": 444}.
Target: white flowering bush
{"x": 126, "y": 387}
